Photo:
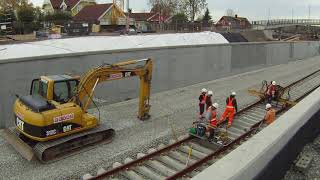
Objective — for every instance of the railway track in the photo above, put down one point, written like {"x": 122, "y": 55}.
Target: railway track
{"x": 188, "y": 156}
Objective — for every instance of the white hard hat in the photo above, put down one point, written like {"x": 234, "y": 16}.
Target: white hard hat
{"x": 274, "y": 83}
{"x": 210, "y": 93}
{"x": 216, "y": 105}
{"x": 268, "y": 106}
{"x": 204, "y": 90}
{"x": 233, "y": 93}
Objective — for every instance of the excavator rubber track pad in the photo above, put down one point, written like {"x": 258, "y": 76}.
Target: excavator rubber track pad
{"x": 60, "y": 148}
{"x": 20, "y": 146}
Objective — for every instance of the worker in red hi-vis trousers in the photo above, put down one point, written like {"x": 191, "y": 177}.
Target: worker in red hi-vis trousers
{"x": 231, "y": 109}
{"x": 202, "y": 102}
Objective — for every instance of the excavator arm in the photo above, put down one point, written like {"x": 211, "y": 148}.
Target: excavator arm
{"x": 89, "y": 81}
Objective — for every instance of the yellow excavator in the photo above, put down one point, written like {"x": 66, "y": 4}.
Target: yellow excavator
{"x": 52, "y": 121}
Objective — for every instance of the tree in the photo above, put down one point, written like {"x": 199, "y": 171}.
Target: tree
{"x": 194, "y": 7}
{"x": 207, "y": 17}
{"x": 164, "y": 7}
{"x": 58, "y": 17}
{"x": 26, "y": 13}
{"x": 230, "y": 12}
{"x": 39, "y": 18}
{"x": 180, "y": 17}
{"x": 25, "y": 16}
{"x": 8, "y": 5}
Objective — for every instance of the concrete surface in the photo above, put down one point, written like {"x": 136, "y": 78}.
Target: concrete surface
{"x": 175, "y": 67}
{"x": 172, "y": 113}
{"x": 314, "y": 171}
{"x": 255, "y": 154}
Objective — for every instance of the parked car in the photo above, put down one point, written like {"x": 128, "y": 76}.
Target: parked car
{"x": 131, "y": 31}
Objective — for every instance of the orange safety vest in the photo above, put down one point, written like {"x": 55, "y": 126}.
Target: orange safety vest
{"x": 203, "y": 101}
{"x": 270, "y": 116}
{"x": 230, "y": 104}
{"x": 213, "y": 120}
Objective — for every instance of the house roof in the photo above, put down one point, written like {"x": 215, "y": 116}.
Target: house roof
{"x": 231, "y": 18}
{"x": 71, "y": 3}
{"x": 157, "y": 17}
{"x": 92, "y": 13}
{"x": 141, "y": 16}
{"x": 154, "y": 17}
{"x": 56, "y": 3}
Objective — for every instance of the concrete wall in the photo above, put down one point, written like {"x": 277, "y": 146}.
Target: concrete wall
{"x": 174, "y": 67}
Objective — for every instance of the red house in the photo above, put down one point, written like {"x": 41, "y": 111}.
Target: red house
{"x": 230, "y": 22}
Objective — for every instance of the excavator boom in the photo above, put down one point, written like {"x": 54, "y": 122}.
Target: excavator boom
{"x": 117, "y": 71}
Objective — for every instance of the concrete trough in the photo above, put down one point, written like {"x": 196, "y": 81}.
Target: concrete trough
{"x": 175, "y": 67}
{"x": 269, "y": 154}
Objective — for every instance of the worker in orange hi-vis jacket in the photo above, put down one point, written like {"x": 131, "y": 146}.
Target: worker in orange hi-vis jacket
{"x": 202, "y": 102}
{"x": 270, "y": 114}
{"x": 231, "y": 109}
{"x": 213, "y": 118}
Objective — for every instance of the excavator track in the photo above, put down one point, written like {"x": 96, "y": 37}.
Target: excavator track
{"x": 60, "y": 148}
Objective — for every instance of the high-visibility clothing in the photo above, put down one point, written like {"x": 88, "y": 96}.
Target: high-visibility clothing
{"x": 271, "y": 90}
{"x": 230, "y": 103}
{"x": 202, "y": 102}
{"x": 202, "y": 98}
{"x": 231, "y": 108}
{"x": 270, "y": 116}
{"x": 213, "y": 120}
{"x": 228, "y": 112}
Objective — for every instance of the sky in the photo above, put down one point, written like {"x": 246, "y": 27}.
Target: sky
{"x": 252, "y": 9}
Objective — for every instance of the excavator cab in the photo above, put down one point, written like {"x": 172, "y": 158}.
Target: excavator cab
{"x": 58, "y": 88}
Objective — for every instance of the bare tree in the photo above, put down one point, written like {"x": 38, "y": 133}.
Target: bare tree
{"x": 194, "y": 7}
{"x": 164, "y": 7}
{"x": 230, "y": 12}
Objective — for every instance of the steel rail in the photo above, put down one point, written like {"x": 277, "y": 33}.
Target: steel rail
{"x": 197, "y": 164}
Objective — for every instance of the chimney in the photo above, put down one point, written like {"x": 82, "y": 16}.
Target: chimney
{"x": 236, "y": 16}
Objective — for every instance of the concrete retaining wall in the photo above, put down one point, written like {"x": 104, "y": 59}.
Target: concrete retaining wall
{"x": 267, "y": 155}
{"x": 174, "y": 67}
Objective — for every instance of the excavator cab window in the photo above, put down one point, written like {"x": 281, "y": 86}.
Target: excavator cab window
{"x": 39, "y": 88}
{"x": 63, "y": 91}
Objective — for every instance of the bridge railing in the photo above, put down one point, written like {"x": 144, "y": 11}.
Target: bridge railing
{"x": 274, "y": 22}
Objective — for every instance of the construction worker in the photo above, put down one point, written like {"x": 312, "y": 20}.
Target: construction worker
{"x": 213, "y": 120}
{"x": 231, "y": 109}
{"x": 202, "y": 102}
{"x": 209, "y": 99}
{"x": 270, "y": 114}
{"x": 271, "y": 91}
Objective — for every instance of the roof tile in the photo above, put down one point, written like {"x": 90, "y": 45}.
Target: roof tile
{"x": 92, "y": 13}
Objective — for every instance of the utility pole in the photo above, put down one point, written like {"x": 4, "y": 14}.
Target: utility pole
{"x": 128, "y": 17}
{"x": 268, "y": 16}
{"x": 309, "y": 7}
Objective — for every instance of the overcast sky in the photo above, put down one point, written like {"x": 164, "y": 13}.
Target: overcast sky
{"x": 252, "y": 9}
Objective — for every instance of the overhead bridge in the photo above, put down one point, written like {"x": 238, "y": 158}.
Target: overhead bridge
{"x": 278, "y": 23}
